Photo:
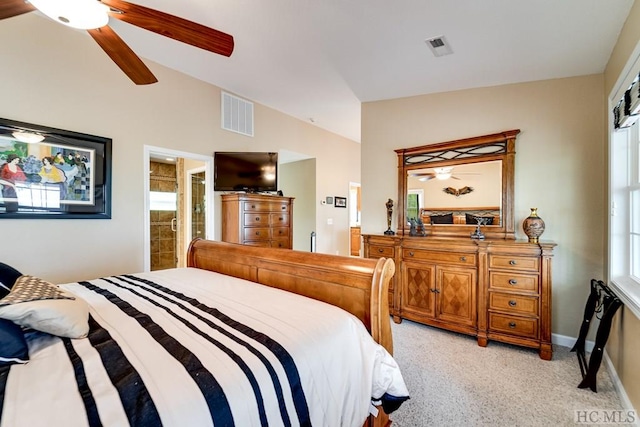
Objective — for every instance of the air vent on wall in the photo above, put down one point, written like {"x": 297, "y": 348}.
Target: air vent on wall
{"x": 439, "y": 46}
{"x": 237, "y": 114}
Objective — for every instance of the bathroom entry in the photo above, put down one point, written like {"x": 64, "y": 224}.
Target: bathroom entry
{"x": 176, "y": 205}
{"x": 163, "y": 212}
{"x": 354, "y": 218}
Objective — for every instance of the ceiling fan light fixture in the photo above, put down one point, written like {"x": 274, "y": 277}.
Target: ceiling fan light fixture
{"x": 28, "y": 137}
{"x": 81, "y": 14}
{"x": 443, "y": 173}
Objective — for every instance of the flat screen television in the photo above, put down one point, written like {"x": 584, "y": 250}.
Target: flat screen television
{"x": 245, "y": 171}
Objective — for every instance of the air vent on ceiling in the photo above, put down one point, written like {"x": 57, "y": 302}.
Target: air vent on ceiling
{"x": 439, "y": 46}
{"x": 237, "y": 114}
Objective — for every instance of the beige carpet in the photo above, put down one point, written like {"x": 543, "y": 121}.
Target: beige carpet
{"x": 454, "y": 382}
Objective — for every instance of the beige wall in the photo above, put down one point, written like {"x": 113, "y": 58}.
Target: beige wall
{"x": 295, "y": 178}
{"x": 559, "y": 165}
{"x": 623, "y": 346}
{"x": 58, "y": 77}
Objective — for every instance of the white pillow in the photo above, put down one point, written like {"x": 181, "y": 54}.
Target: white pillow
{"x": 58, "y": 313}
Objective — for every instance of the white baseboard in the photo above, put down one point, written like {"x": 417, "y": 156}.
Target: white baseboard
{"x": 566, "y": 341}
{"x": 617, "y": 384}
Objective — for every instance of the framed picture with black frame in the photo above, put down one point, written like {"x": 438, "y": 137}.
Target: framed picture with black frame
{"x": 340, "y": 202}
{"x": 53, "y": 173}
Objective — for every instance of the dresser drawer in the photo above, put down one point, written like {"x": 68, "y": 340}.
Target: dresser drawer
{"x": 513, "y": 282}
{"x": 518, "y": 263}
{"x": 256, "y": 233}
{"x": 280, "y": 243}
{"x": 280, "y": 232}
{"x": 376, "y": 251}
{"x": 513, "y": 303}
{"x": 280, "y": 219}
{"x": 256, "y": 219}
{"x": 439, "y": 257}
{"x": 265, "y": 206}
{"x": 513, "y": 325}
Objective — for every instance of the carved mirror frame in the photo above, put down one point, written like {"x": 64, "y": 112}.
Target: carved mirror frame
{"x": 499, "y": 146}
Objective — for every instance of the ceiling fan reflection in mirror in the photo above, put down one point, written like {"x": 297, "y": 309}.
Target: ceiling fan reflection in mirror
{"x": 93, "y": 16}
{"x": 438, "y": 173}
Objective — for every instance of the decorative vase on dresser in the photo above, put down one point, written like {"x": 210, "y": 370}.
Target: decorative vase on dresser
{"x": 258, "y": 220}
{"x": 533, "y": 226}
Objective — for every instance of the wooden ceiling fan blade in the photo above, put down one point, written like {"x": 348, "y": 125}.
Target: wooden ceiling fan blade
{"x": 122, "y": 55}
{"x": 11, "y": 8}
{"x": 172, "y": 26}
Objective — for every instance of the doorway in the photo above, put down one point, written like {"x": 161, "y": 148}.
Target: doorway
{"x": 354, "y": 204}
{"x": 174, "y": 205}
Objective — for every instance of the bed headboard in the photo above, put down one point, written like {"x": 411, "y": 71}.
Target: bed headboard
{"x": 458, "y": 214}
{"x": 357, "y": 285}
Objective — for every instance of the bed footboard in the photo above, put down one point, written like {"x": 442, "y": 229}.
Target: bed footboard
{"x": 357, "y": 285}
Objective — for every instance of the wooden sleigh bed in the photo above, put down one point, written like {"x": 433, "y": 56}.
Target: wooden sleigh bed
{"x": 162, "y": 303}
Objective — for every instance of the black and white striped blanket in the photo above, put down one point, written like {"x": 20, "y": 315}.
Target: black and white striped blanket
{"x": 189, "y": 347}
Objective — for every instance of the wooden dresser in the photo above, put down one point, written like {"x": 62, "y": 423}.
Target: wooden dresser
{"x": 492, "y": 289}
{"x": 258, "y": 220}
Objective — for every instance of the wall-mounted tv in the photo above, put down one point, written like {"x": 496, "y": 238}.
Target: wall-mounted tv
{"x": 245, "y": 171}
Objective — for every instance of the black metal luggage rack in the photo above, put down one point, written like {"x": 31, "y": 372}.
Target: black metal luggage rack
{"x": 604, "y": 303}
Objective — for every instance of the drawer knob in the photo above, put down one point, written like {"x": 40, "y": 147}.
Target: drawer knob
{"x": 512, "y": 325}
{"x": 513, "y": 282}
{"x": 410, "y": 253}
{"x": 257, "y": 218}
{"x": 512, "y": 303}
{"x": 380, "y": 250}
{"x": 463, "y": 258}
{"x": 257, "y": 233}
{"x": 280, "y": 219}
{"x": 512, "y": 262}
{"x": 253, "y": 206}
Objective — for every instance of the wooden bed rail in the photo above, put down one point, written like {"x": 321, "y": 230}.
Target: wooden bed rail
{"x": 357, "y": 285}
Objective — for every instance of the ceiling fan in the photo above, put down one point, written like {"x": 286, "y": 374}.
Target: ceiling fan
{"x": 439, "y": 173}
{"x": 93, "y": 16}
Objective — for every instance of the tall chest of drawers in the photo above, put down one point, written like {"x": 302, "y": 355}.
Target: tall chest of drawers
{"x": 258, "y": 220}
{"x": 518, "y": 295}
{"x": 496, "y": 290}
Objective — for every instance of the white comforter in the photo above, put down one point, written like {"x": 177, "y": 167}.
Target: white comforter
{"x": 168, "y": 352}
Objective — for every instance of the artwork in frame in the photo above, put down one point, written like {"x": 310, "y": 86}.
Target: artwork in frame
{"x": 340, "y": 202}
{"x": 53, "y": 173}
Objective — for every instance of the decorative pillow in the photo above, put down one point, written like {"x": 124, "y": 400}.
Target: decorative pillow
{"x": 8, "y": 276}
{"x": 442, "y": 219}
{"x": 30, "y": 288}
{"x": 13, "y": 346}
{"x": 473, "y": 219}
{"x": 40, "y": 305}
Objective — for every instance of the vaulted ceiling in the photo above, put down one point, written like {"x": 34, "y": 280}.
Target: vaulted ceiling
{"x": 319, "y": 60}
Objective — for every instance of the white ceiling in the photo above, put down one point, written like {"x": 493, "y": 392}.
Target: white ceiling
{"x": 319, "y": 59}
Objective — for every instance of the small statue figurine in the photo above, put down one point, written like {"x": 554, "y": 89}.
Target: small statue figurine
{"x": 389, "y": 206}
{"x": 421, "y": 230}
{"x": 413, "y": 227}
{"x": 477, "y": 234}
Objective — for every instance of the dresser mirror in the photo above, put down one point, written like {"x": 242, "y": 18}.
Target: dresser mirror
{"x": 454, "y": 186}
